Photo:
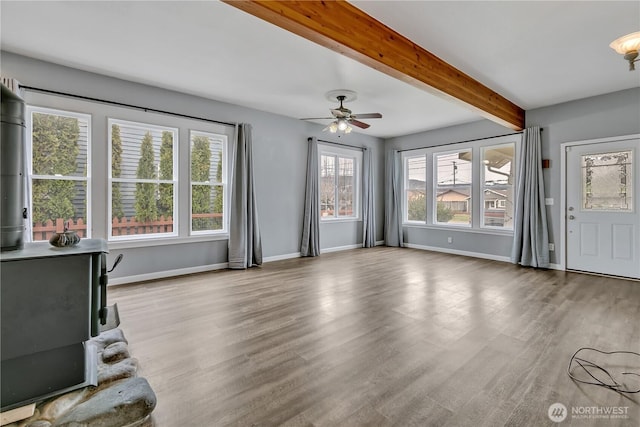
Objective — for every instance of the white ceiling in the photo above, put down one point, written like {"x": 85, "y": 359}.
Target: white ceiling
{"x": 533, "y": 53}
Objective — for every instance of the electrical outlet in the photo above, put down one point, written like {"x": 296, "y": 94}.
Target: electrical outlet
{"x": 450, "y": 239}
{"x": 552, "y": 247}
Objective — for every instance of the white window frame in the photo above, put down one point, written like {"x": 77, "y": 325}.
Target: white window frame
{"x": 497, "y": 206}
{"x": 30, "y": 109}
{"x": 434, "y": 188}
{"x": 477, "y": 184}
{"x": 146, "y": 126}
{"x": 405, "y": 199}
{"x": 356, "y": 155}
{"x": 224, "y": 183}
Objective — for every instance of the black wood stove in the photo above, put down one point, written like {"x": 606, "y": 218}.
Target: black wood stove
{"x": 52, "y": 301}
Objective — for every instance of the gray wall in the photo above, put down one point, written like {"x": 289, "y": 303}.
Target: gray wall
{"x": 601, "y": 116}
{"x": 281, "y": 141}
{"x": 613, "y": 114}
{"x": 280, "y": 153}
{"x": 491, "y": 245}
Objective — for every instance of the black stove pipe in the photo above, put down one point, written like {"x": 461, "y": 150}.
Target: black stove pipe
{"x": 12, "y": 142}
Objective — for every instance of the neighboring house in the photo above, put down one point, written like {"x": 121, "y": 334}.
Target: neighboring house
{"x": 497, "y": 210}
{"x": 495, "y": 207}
{"x": 416, "y": 189}
{"x": 495, "y": 200}
{"x": 457, "y": 200}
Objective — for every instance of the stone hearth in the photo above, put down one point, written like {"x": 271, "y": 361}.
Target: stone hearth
{"x": 121, "y": 399}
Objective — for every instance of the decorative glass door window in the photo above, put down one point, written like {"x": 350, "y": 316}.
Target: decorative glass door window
{"x": 607, "y": 181}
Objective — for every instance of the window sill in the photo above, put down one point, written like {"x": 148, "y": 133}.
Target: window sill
{"x": 334, "y": 220}
{"x": 491, "y": 231}
{"x": 166, "y": 241}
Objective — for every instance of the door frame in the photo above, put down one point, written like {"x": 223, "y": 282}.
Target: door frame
{"x": 563, "y": 187}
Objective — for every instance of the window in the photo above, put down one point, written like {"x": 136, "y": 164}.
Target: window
{"x": 469, "y": 187}
{"x": 59, "y": 174}
{"x": 416, "y": 188}
{"x": 607, "y": 181}
{"x": 208, "y": 188}
{"x": 143, "y": 178}
{"x": 453, "y": 175}
{"x": 339, "y": 183}
{"x": 497, "y": 181}
{"x": 134, "y": 186}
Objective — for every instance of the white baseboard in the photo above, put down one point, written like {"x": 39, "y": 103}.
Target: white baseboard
{"x": 340, "y": 248}
{"x": 166, "y": 273}
{"x": 182, "y": 271}
{"x": 472, "y": 254}
{"x": 322, "y": 251}
{"x": 459, "y": 252}
{"x": 281, "y": 257}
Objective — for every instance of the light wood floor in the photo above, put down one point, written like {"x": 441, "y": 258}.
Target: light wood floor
{"x": 382, "y": 336}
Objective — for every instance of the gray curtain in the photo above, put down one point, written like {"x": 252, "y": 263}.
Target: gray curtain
{"x": 310, "y": 245}
{"x": 245, "y": 244}
{"x": 393, "y": 200}
{"x": 530, "y": 237}
{"x": 368, "y": 202}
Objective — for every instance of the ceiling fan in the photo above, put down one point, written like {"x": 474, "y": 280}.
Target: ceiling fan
{"x": 342, "y": 117}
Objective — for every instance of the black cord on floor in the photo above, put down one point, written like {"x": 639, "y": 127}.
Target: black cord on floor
{"x": 592, "y": 369}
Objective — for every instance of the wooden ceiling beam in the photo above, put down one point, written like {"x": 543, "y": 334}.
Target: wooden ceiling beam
{"x": 343, "y": 28}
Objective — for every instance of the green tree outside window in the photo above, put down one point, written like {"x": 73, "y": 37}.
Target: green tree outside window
{"x": 201, "y": 194}
{"x": 145, "y": 195}
{"x": 55, "y": 151}
{"x": 116, "y": 170}
{"x": 165, "y": 202}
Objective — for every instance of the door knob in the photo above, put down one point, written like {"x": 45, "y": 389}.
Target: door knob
{"x": 572, "y": 217}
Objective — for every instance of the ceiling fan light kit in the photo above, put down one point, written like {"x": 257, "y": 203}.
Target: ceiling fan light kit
{"x": 629, "y": 46}
{"x": 339, "y": 125}
{"x": 343, "y": 118}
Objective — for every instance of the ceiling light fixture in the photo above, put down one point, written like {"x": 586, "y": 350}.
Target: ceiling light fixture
{"x": 339, "y": 125}
{"x": 629, "y": 46}
{"x": 343, "y": 118}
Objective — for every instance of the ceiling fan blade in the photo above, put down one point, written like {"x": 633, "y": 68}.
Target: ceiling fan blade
{"x": 358, "y": 124}
{"x": 338, "y": 114}
{"x": 368, "y": 116}
{"x": 318, "y": 118}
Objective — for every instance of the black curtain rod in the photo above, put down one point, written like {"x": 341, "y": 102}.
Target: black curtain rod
{"x": 462, "y": 142}
{"x": 337, "y": 143}
{"x": 122, "y": 104}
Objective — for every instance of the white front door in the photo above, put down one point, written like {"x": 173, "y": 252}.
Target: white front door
{"x": 602, "y": 198}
